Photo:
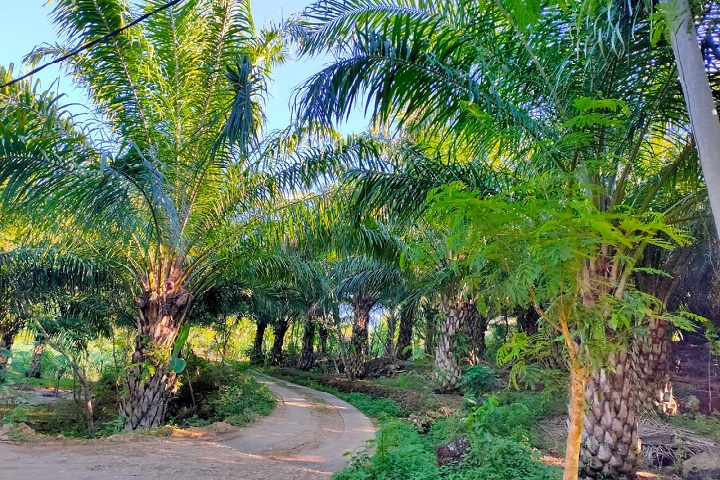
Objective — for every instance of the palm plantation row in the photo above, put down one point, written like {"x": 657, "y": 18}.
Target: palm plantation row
{"x": 523, "y": 159}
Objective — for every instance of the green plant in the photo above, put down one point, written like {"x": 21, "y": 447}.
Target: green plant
{"x": 505, "y": 459}
{"x": 241, "y": 403}
{"x": 401, "y": 454}
{"x": 479, "y": 380}
{"x": 16, "y": 415}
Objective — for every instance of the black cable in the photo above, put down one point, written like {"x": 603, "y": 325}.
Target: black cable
{"x": 90, "y": 44}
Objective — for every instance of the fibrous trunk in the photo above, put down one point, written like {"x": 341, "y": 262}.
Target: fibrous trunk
{"x": 359, "y": 341}
{"x": 650, "y": 360}
{"x": 280, "y": 328}
{"x": 150, "y": 381}
{"x": 404, "y": 341}
{"x": 390, "y": 337}
{"x": 35, "y": 368}
{"x": 430, "y": 329}
{"x": 7, "y": 338}
{"x": 257, "y": 356}
{"x": 447, "y": 354}
{"x": 611, "y": 445}
{"x": 476, "y": 326}
{"x": 307, "y": 354}
{"x": 324, "y": 334}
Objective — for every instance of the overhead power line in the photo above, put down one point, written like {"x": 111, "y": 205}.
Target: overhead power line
{"x": 87, "y": 45}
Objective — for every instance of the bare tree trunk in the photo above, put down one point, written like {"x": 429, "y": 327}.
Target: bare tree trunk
{"x": 307, "y": 354}
{"x": 404, "y": 341}
{"x": 256, "y": 356}
{"x": 359, "y": 341}
{"x": 280, "y": 328}
{"x": 576, "y": 411}
{"x": 150, "y": 380}
{"x": 698, "y": 97}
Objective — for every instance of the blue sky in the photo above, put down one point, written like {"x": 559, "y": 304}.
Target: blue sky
{"x": 25, "y": 24}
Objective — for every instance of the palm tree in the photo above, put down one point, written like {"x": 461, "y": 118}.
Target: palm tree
{"x": 165, "y": 187}
{"x": 542, "y": 96}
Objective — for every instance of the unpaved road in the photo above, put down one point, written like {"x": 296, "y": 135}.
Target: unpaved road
{"x": 303, "y": 439}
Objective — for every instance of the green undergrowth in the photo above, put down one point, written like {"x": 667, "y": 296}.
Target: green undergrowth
{"x": 499, "y": 428}
{"x": 704, "y": 425}
{"x": 213, "y": 392}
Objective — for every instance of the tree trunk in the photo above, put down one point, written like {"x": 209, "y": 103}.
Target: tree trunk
{"x": 150, "y": 380}
{"x": 280, "y": 328}
{"x": 324, "y": 334}
{"x": 307, "y": 354}
{"x": 476, "y": 326}
{"x": 257, "y": 357}
{"x": 527, "y": 320}
{"x": 698, "y": 97}
{"x": 359, "y": 341}
{"x": 650, "y": 359}
{"x": 35, "y": 368}
{"x": 611, "y": 445}
{"x": 405, "y": 333}
{"x": 390, "y": 337}
{"x": 7, "y": 338}
{"x": 447, "y": 354}
{"x": 430, "y": 329}
{"x": 576, "y": 411}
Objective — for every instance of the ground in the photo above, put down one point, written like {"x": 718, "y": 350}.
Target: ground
{"x": 305, "y": 438}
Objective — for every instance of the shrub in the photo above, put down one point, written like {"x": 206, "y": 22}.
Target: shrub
{"x": 479, "y": 380}
{"x": 505, "y": 459}
{"x": 401, "y": 454}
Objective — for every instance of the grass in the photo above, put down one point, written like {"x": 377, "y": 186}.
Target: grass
{"x": 501, "y": 437}
{"x": 704, "y": 425}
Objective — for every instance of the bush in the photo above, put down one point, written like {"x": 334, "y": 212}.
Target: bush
{"x": 504, "y": 459}
{"x": 479, "y": 380}
{"x": 401, "y": 454}
{"x": 211, "y": 392}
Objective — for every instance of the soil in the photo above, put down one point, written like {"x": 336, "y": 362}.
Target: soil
{"x": 305, "y": 438}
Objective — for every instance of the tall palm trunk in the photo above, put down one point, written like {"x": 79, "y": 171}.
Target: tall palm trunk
{"x": 456, "y": 312}
{"x": 430, "y": 329}
{"x": 359, "y": 341}
{"x": 280, "y": 328}
{"x": 150, "y": 381}
{"x": 476, "y": 326}
{"x": 404, "y": 341}
{"x": 307, "y": 353}
{"x": 611, "y": 445}
{"x": 650, "y": 354}
{"x": 324, "y": 334}
{"x": 390, "y": 337}
{"x": 7, "y": 338}
{"x": 256, "y": 356}
{"x": 35, "y": 368}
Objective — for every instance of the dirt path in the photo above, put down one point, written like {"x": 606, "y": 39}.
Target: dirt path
{"x": 303, "y": 439}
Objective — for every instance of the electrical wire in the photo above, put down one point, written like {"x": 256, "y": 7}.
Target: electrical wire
{"x": 87, "y": 45}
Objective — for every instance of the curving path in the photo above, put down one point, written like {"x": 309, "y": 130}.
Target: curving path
{"x": 303, "y": 439}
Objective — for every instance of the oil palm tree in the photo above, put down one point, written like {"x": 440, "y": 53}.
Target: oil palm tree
{"x": 164, "y": 186}
{"x": 579, "y": 95}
